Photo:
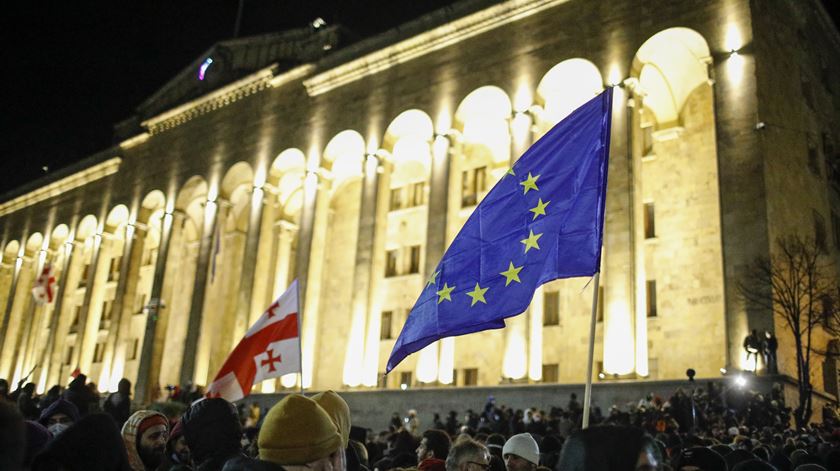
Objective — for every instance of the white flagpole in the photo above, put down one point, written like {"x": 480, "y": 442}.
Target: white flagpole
{"x": 587, "y": 394}
{"x": 300, "y": 337}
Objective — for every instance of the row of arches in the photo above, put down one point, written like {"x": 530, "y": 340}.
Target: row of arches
{"x": 243, "y": 235}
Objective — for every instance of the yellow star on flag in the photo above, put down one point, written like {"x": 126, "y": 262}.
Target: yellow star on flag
{"x": 539, "y": 209}
{"x": 512, "y": 274}
{"x": 530, "y": 183}
{"x": 444, "y": 293}
{"x": 432, "y": 277}
{"x": 477, "y": 295}
{"x": 510, "y": 172}
{"x": 531, "y": 242}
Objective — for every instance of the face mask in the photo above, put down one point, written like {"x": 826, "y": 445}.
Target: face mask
{"x": 56, "y": 429}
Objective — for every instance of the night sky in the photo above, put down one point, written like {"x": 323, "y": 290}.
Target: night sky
{"x": 74, "y": 68}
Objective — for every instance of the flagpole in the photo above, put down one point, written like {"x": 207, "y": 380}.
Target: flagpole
{"x": 587, "y": 394}
{"x": 300, "y": 338}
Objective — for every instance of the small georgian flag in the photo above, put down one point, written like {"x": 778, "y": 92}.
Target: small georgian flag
{"x": 44, "y": 289}
{"x": 270, "y": 349}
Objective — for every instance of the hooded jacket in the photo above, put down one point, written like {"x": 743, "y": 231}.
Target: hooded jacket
{"x": 91, "y": 443}
{"x": 60, "y": 406}
{"x": 213, "y": 433}
{"x": 130, "y": 438}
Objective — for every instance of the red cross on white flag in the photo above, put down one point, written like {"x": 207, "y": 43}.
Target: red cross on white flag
{"x": 44, "y": 289}
{"x": 270, "y": 349}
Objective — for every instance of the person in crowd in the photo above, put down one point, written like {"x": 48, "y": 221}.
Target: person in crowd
{"x": 27, "y": 403}
{"x": 92, "y": 443}
{"x": 145, "y": 434}
{"x": 299, "y": 435}
{"x": 608, "y": 448}
{"x": 12, "y": 436}
{"x": 79, "y": 394}
{"x": 495, "y": 442}
{"x": 752, "y": 345}
{"x": 213, "y": 433}
{"x": 37, "y": 437}
{"x": 550, "y": 447}
{"x": 468, "y": 455}
{"x": 4, "y": 391}
{"x": 59, "y": 416}
{"x": 177, "y": 456}
{"x": 521, "y": 453}
{"x": 118, "y": 404}
{"x": 771, "y": 344}
{"x": 339, "y": 413}
{"x": 699, "y": 457}
{"x": 433, "y": 450}
{"x": 53, "y": 394}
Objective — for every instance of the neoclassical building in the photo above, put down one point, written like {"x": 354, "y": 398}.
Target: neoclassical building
{"x": 351, "y": 167}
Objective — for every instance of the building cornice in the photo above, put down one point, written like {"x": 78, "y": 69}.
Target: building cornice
{"x": 425, "y": 43}
{"x": 70, "y": 182}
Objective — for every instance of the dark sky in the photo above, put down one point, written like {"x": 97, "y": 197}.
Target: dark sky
{"x": 74, "y": 68}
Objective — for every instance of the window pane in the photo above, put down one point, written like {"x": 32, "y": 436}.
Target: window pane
{"x": 551, "y": 308}
{"x": 396, "y": 199}
{"x": 385, "y": 325}
{"x": 468, "y": 195}
{"x": 550, "y": 373}
{"x": 391, "y": 263}
{"x": 414, "y": 265}
{"x": 651, "y": 298}
{"x": 650, "y": 221}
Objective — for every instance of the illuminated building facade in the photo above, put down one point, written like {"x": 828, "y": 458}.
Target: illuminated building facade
{"x": 351, "y": 168}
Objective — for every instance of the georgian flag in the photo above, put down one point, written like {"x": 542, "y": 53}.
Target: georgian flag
{"x": 270, "y": 349}
{"x": 44, "y": 289}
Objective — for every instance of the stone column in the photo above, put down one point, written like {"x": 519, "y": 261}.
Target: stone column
{"x": 437, "y": 216}
{"x": 362, "y": 347}
{"x": 65, "y": 315}
{"x": 129, "y": 268}
{"x": 263, "y": 276}
{"x": 25, "y": 344}
{"x": 83, "y": 355}
{"x": 8, "y": 314}
{"x": 205, "y": 252}
{"x": 48, "y": 358}
{"x": 249, "y": 261}
{"x": 310, "y": 261}
{"x": 92, "y": 305}
{"x": 285, "y": 236}
{"x": 143, "y": 384}
{"x": 620, "y": 269}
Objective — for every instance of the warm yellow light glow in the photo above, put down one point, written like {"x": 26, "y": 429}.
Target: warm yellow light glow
{"x": 410, "y": 123}
{"x": 447, "y": 360}
{"x": 568, "y": 85}
{"x": 618, "y": 339}
{"x": 523, "y": 98}
{"x": 310, "y": 185}
{"x": 213, "y": 192}
{"x": 520, "y": 127}
{"x": 408, "y": 153}
{"x": 259, "y": 176}
{"x": 427, "y": 364}
{"x": 372, "y": 144}
{"x": 289, "y": 380}
{"x": 440, "y": 148}
{"x": 354, "y": 356}
{"x": 443, "y": 122}
{"x": 748, "y": 362}
{"x": 371, "y": 164}
{"x": 734, "y": 41}
{"x": 515, "y": 363}
{"x": 614, "y": 77}
{"x": 535, "y": 337}
{"x": 735, "y": 68}
{"x": 267, "y": 387}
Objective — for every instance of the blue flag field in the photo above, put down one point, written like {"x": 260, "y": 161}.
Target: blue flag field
{"x": 542, "y": 221}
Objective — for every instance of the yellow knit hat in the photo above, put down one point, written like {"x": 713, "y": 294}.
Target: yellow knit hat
{"x": 297, "y": 431}
{"x": 338, "y": 410}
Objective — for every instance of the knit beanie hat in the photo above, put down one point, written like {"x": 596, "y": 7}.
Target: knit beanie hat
{"x": 297, "y": 431}
{"x": 339, "y": 412}
{"x": 524, "y": 446}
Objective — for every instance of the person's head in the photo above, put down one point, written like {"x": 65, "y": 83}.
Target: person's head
{"x": 700, "y": 458}
{"x": 124, "y": 386}
{"x": 145, "y": 434}
{"x": 60, "y": 415}
{"x": 521, "y": 453}
{"x": 297, "y": 432}
{"x": 37, "y": 437}
{"x": 338, "y": 410}
{"x": 610, "y": 447}
{"x": 4, "y": 387}
{"x": 212, "y": 428}
{"x": 29, "y": 389}
{"x": 433, "y": 444}
{"x": 468, "y": 455}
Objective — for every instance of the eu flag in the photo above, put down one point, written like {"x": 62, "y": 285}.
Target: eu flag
{"x": 542, "y": 221}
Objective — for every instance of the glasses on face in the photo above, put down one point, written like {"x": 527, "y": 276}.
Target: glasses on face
{"x": 484, "y": 466}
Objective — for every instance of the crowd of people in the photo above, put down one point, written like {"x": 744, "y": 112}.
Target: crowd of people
{"x": 712, "y": 428}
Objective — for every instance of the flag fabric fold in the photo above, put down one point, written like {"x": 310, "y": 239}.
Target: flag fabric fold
{"x": 44, "y": 289}
{"x": 270, "y": 349}
{"x": 542, "y": 221}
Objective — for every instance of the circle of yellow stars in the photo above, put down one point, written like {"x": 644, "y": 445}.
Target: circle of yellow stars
{"x": 511, "y": 275}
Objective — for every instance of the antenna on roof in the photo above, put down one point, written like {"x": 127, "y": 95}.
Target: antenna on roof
{"x": 238, "y": 18}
